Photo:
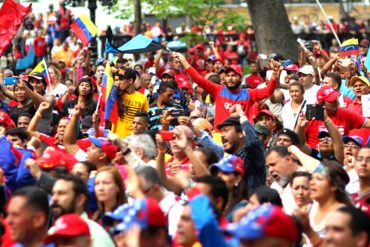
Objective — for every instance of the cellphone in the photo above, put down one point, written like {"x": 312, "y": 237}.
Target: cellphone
{"x": 10, "y": 81}
{"x": 178, "y": 113}
{"x": 167, "y": 135}
{"x": 286, "y": 62}
{"x": 309, "y": 45}
{"x": 315, "y": 112}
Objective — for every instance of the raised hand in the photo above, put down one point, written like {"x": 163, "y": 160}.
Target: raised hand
{"x": 275, "y": 66}
{"x": 77, "y": 110}
{"x": 44, "y": 106}
{"x": 236, "y": 111}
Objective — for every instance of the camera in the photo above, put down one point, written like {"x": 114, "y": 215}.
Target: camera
{"x": 315, "y": 112}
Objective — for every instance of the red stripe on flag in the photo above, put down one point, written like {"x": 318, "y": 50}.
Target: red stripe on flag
{"x": 80, "y": 33}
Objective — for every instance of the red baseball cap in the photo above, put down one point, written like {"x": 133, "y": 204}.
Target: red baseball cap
{"x": 327, "y": 93}
{"x": 265, "y": 112}
{"x": 108, "y": 148}
{"x": 236, "y": 68}
{"x": 52, "y": 158}
{"x": 68, "y": 225}
{"x": 168, "y": 72}
{"x": 292, "y": 67}
{"x": 200, "y": 46}
{"x": 6, "y": 120}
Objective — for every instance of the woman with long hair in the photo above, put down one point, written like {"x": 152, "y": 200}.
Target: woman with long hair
{"x": 231, "y": 170}
{"x": 291, "y": 109}
{"x": 109, "y": 191}
{"x": 55, "y": 88}
{"x": 85, "y": 98}
{"x": 327, "y": 190}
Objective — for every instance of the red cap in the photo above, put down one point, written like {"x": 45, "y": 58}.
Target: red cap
{"x": 5, "y": 119}
{"x": 265, "y": 112}
{"x": 108, "y": 148}
{"x": 68, "y": 225}
{"x": 317, "y": 53}
{"x": 236, "y": 68}
{"x": 168, "y": 72}
{"x": 327, "y": 93}
{"x": 53, "y": 158}
{"x": 292, "y": 67}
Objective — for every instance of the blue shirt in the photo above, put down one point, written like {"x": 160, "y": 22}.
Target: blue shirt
{"x": 347, "y": 91}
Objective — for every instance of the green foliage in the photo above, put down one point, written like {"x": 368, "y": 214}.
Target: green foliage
{"x": 192, "y": 39}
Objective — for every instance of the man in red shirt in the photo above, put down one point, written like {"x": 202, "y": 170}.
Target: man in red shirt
{"x": 40, "y": 46}
{"x": 199, "y": 59}
{"x": 254, "y": 79}
{"x": 343, "y": 119}
{"x": 230, "y": 94}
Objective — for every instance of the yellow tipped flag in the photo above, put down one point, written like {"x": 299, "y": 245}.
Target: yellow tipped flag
{"x": 84, "y": 29}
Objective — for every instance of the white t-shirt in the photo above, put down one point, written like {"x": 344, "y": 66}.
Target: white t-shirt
{"x": 58, "y": 91}
{"x": 289, "y": 117}
{"x": 173, "y": 210}
{"x": 310, "y": 94}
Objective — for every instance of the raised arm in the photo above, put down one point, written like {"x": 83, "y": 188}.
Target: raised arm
{"x": 309, "y": 163}
{"x": 35, "y": 97}
{"x": 214, "y": 49}
{"x": 207, "y": 85}
{"x": 262, "y": 93}
{"x": 337, "y": 139}
{"x": 70, "y": 137}
{"x": 36, "y": 118}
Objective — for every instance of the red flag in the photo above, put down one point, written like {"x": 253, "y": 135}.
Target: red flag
{"x": 12, "y": 15}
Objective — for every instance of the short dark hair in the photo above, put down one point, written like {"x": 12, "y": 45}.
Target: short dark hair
{"x": 25, "y": 114}
{"x": 90, "y": 166}
{"x": 79, "y": 186}
{"x": 359, "y": 221}
{"x": 297, "y": 84}
{"x": 281, "y": 150}
{"x": 37, "y": 199}
{"x": 21, "y": 133}
{"x": 164, "y": 85}
{"x": 218, "y": 187}
{"x": 335, "y": 77}
{"x": 266, "y": 194}
{"x": 121, "y": 60}
{"x": 142, "y": 114}
{"x": 300, "y": 174}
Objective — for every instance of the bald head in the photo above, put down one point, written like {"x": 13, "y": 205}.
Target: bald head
{"x": 182, "y": 129}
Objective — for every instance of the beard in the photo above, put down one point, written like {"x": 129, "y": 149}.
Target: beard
{"x": 283, "y": 181}
{"x": 57, "y": 210}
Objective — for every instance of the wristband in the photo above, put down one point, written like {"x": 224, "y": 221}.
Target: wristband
{"x": 161, "y": 151}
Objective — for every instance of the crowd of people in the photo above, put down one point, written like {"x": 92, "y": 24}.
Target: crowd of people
{"x": 201, "y": 153}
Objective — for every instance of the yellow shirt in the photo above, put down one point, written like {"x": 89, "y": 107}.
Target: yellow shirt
{"x": 133, "y": 103}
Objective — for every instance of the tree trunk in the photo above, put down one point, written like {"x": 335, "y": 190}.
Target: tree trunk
{"x": 137, "y": 20}
{"x": 272, "y": 28}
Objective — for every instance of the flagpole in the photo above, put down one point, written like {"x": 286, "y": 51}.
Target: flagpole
{"x": 47, "y": 74}
{"x": 328, "y": 21}
{"x": 98, "y": 103}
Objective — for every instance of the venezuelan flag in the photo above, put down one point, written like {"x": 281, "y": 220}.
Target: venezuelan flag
{"x": 109, "y": 96}
{"x": 84, "y": 29}
{"x": 42, "y": 68}
{"x": 349, "y": 47}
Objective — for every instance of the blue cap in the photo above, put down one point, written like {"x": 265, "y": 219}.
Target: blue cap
{"x": 356, "y": 139}
{"x": 229, "y": 163}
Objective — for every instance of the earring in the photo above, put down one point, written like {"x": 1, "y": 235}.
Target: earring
{"x": 236, "y": 184}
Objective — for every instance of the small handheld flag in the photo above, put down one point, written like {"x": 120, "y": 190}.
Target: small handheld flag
{"x": 42, "y": 68}
{"x": 349, "y": 47}
{"x": 84, "y": 29}
{"x": 109, "y": 96}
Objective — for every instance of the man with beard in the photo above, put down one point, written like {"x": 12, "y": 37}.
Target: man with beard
{"x": 231, "y": 94}
{"x": 281, "y": 165}
{"x": 70, "y": 195}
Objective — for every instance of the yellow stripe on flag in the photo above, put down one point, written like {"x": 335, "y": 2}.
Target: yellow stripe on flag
{"x": 350, "y": 42}
{"x": 89, "y": 25}
{"x": 40, "y": 67}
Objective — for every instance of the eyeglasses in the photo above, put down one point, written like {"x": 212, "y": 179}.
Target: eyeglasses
{"x": 353, "y": 146}
{"x": 147, "y": 190}
{"x": 327, "y": 139}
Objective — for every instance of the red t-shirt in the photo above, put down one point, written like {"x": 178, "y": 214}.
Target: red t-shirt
{"x": 39, "y": 45}
{"x": 184, "y": 166}
{"x": 199, "y": 63}
{"x": 344, "y": 119}
{"x": 226, "y": 98}
{"x": 253, "y": 80}
{"x": 355, "y": 106}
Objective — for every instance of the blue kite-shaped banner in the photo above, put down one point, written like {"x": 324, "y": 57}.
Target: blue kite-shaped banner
{"x": 27, "y": 61}
{"x": 139, "y": 44}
